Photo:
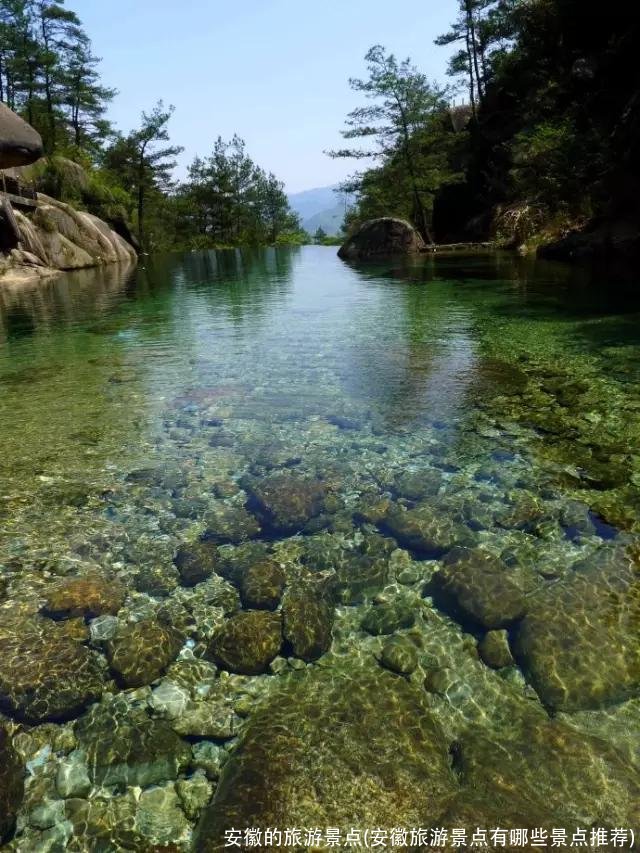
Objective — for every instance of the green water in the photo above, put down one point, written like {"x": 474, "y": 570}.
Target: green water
{"x": 471, "y": 426}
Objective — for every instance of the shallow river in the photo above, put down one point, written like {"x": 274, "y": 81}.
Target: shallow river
{"x": 300, "y": 554}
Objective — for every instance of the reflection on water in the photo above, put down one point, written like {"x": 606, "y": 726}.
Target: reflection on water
{"x": 412, "y": 483}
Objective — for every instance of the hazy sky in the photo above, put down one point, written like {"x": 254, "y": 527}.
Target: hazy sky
{"x": 273, "y": 71}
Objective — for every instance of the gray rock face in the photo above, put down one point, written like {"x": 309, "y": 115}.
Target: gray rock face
{"x": 381, "y": 237}
{"x": 20, "y": 144}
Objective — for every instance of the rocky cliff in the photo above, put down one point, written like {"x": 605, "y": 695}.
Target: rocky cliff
{"x": 40, "y": 236}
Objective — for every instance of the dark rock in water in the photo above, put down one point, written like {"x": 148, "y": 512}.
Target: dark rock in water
{"x": 20, "y": 144}
{"x": 11, "y": 784}
{"x": 308, "y": 614}
{"x": 89, "y": 595}
{"x": 230, "y": 524}
{"x": 285, "y": 502}
{"x": 388, "y": 617}
{"x": 248, "y": 642}
{"x": 541, "y": 774}
{"x": 196, "y": 562}
{"x": 125, "y": 747}
{"x": 261, "y": 585}
{"x": 399, "y": 655}
{"x": 381, "y": 238}
{"x": 45, "y": 675}
{"x": 352, "y": 748}
{"x": 343, "y": 422}
{"x": 483, "y": 587}
{"x": 141, "y": 652}
{"x": 494, "y": 649}
{"x": 425, "y": 529}
{"x": 580, "y": 641}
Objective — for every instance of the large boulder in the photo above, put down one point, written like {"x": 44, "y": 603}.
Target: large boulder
{"x": 380, "y": 238}
{"x": 355, "y": 747}
{"x": 579, "y": 643}
{"x": 248, "y": 642}
{"x": 20, "y": 144}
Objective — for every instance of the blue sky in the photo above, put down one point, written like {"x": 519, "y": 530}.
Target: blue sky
{"x": 273, "y": 71}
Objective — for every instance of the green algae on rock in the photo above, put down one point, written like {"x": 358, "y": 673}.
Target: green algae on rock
{"x": 89, "y": 595}
{"x": 580, "y": 641}
{"x": 248, "y": 642}
{"x": 11, "y": 784}
{"x": 355, "y": 747}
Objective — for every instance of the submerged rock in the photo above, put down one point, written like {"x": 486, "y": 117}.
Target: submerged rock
{"x": 248, "y": 642}
{"x": 11, "y": 784}
{"x": 308, "y": 614}
{"x": 196, "y": 562}
{"x": 261, "y": 585}
{"x": 425, "y": 529}
{"x": 494, "y": 649}
{"x": 580, "y": 641}
{"x": 381, "y": 237}
{"x": 140, "y": 653}
{"x": 353, "y": 748}
{"x": 483, "y": 587}
{"x": 230, "y": 524}
{"x": 88, "y": 595}
{"x": 388, "y": 617}
{"x": 286, "y": 502}
{"x": 399, "y": 655}
{"x": 44, "y": 675}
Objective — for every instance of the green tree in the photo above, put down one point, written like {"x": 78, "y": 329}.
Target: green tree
{"x": 320, "y": 235}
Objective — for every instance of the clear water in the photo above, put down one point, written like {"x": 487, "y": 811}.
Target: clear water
{"x": 514, "y": 383}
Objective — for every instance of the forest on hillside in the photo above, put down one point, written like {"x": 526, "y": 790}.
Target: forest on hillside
{"x": 547, "y": 140}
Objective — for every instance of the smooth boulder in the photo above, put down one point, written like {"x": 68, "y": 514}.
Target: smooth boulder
{"x": 20, "y": 144}
{"x": 380, "y": 238}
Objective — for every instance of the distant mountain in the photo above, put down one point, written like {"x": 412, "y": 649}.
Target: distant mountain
{"x": 320, "y": 207}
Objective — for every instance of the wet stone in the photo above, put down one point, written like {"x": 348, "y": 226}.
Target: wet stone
{"x": 361, "y": 567}
{"x": 388, "y": 617}
{"x": 484, "y": 588}
{"x": 580, "y": 643}
{"x": 425, "y": 529}
{"x": 72, "y": 778}
{"x": 230, "y": 524}
{"x": 399, "y": 655}
{"x": 43, "y": 674}
{"x": 308, "y": 614}
{"x": 348, "y": 748}
{"x": 11, "y": 784}
{"x": 157, "y": 581}
{"x": 261, "y": 585}
{"x": 160, "y": 817}
{"x": 418, "y": 485}
{"x": 195, "y": 562}
{"x": 248, "y": 642}
{"x": 88, "y": 595}
{"x": 494, "y": 649}
{"x": 285, "y": 502}
{"x": 144, "y": 752}
{"x": 140, "y": 653}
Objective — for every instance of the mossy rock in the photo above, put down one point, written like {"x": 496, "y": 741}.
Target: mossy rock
{"x": 196, "y": 562}
{"x": 494, "y": 649}
{"x": 11, "y": 784}
{"x": 308, "y": 614}
{"x": 425, "y": 529}
{"x": 388, "y": 617}
{"x": 399, "y": 655}
{"x": 158, "y": 581}
{"x": 355, "y": 747}
{"x": 248, "y": 642}
{"x": 141, "y": 652}
{"x": 45, "y": 675}
{"x": 285, "y": 502}
{"x": 89, "y": 595}
{"x": 231, "y": 524}
{"x": 485, "y": 589}
{"x": 579, "y": 643}
{"x": 262, "y": 585}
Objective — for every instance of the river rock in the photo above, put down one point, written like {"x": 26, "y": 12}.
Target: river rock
{"x": 494, "y": 649}
{"x": 196, "y": 562}
{"x": 285, "y": 502}
{"x": 20, "y": 144}
{"x": 483, "y": 587}
{"x": 425, "y": 529}
{"x": 261, "y": 585}
{"x": 361, "y": 567}
{"x": 11, "y": 784}
{"x": 308, "y": 615}
{"x": 248, "y": 642}
{"x": 381, "y": 237}
{"x": 89, "y": 595}
{"x": 230, "y": 524}
{"x": 350, "y": 748}
{"x": 44, "y": 675}
{"x": 399, "y": 655}
{"x": 580, "y": 641}
{"x": 125, "y": 747}
{"x": 387, "y": 617}
{"x": 140, "y": 653}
